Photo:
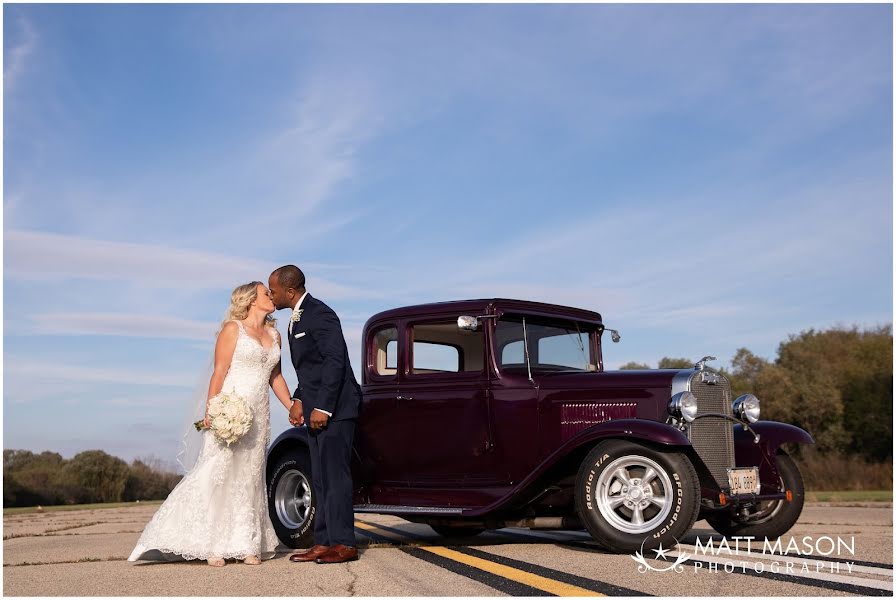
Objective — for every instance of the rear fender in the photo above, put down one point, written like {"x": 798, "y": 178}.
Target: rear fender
{"x": 297, "y": 437}
{"x": 291, "y": 438}
{"x": 749, "y": 453}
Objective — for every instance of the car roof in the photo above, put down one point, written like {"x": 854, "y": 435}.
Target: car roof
{"x": 486, "y": 306}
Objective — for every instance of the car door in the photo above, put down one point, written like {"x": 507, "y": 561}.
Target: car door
{"x": 445, "y": 393}
{"x": 383, "y": 430}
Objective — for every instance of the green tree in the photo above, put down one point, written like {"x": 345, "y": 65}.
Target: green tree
{"x": 869, "y": 421}
{"x": 35, "y": 478}
{"x": 745, "y": 370}
{"x": 145, "y": 482}
{"x": 100, "y": 476}
{"x": 633, "y": 366}
{"x": 837, "y": 384}
{"x": 675, "y": 363}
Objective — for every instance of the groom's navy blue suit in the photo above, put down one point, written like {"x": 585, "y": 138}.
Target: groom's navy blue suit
{"x": 326, "y": 382}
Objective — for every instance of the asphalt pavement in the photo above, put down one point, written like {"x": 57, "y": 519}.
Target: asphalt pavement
{"x": 833, "y": 550}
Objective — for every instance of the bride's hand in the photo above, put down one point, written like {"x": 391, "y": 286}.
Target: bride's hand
{"x": 206, "y": 422}
{"x": 296, "y": 418}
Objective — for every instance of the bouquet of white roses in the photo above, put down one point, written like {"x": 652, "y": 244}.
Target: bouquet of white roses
{"x": 229, "y": 416}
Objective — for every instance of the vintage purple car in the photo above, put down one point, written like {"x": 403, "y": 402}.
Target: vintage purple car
{"x": 483, "y": 414}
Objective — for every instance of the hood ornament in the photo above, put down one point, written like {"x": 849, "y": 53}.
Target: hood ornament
{"x": 701, "y": 364}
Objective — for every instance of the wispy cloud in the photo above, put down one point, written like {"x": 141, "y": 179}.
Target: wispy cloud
{"x": 33, "y": 255}
{"x": 38, "y": 371}
{"x": 126, "y": 325}
{"x": 16, "y": 56}
{"x": 297, "y": 171}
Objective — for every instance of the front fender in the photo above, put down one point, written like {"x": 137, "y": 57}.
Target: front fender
{"x": 650, "y": 431}
{"x": 749, "y": 453}
{"x": 773, "y": 434}
{"x": 577, "y": 446}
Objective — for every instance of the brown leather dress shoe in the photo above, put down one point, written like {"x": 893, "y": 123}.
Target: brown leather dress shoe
{"x": 310, "y": 554}
{"x": 338, "y": 554}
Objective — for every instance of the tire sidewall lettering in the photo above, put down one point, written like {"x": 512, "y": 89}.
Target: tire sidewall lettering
{"x": 673, "y": 518}
{"x": 306, "y": 525}
{"x": 589, "y": 498}
{"x": 275, "y": 478}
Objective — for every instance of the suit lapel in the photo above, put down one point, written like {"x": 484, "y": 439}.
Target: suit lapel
{"x": 300, "y": 328}
{"x": 303, "y": 308}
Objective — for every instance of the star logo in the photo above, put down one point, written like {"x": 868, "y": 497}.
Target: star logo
{"x": 661, "y": 552}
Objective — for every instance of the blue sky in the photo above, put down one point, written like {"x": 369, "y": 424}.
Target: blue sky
{"x": 707, "y": 177}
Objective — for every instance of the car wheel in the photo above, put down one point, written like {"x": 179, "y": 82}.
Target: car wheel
{"x": 633, "y": 497}
{"x": 767, "y": 519}
{"x": 291, "y": 501}
{"x": 454, "y": 532}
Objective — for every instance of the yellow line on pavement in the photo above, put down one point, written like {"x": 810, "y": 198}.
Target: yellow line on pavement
{"x": 382, "y": 532}
{"x": 544, "y": 584}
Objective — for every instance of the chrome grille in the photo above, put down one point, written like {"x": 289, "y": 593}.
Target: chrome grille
{"x": 712, "y": 437}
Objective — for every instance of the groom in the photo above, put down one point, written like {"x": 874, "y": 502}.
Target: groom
{"x": 328, "y": 399}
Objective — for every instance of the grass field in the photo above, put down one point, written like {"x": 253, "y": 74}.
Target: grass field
{"x": 33, "y": 509}
{"x": 851, "y": 496}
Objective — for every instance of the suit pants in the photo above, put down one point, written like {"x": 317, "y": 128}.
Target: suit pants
{"x": 331, "y": 453}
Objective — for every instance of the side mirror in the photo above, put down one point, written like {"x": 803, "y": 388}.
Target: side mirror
{"x": 467, "y": 323}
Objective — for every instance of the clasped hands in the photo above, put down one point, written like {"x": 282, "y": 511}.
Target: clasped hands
{"x": 297, "y": 419}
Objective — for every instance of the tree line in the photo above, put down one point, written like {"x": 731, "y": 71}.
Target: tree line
{"x": 837, "y": 384}
{"x": 46, "y": 478}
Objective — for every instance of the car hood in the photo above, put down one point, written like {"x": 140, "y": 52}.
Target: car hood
{"x": 648, "y": 378}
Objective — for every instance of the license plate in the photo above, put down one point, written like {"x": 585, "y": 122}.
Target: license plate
{"x": 744, "y": 481}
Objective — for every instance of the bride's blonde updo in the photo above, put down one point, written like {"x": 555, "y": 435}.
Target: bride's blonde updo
{"x": 243, "y": 296}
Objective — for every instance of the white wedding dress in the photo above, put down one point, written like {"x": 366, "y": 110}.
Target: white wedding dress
{"x": 219, "y": 508}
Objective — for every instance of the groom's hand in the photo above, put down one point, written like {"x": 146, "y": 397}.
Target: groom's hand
{"x": 318, "y": 419}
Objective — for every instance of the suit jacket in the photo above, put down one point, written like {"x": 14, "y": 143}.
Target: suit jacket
{"x": 320, "y": 357}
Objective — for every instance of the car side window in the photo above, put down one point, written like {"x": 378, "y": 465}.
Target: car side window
{"x": 385, "y": 351}
{"x": 436, "y": 358}
{"x": 513, "y": 353}
{"x": 442, "y": 347}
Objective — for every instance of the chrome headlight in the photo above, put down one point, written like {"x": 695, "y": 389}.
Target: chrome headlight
{"x": 683, "y": 405}
{"x": 746, "y": 408}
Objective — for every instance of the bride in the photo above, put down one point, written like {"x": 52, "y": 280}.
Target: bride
{"x": 219, "y": 509}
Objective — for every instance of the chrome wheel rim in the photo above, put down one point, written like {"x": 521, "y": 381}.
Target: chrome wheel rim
{"x": 292, "y": 499}
{"x": 634, "y": 494}
{"x": 765, "y": 512}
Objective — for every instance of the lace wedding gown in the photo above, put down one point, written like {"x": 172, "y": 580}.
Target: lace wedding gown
{"x": 219, "y": 508}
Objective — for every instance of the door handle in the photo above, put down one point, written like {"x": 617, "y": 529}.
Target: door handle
{"x": 403, "y": 398}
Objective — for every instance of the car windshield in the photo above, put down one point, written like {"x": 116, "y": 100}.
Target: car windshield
{"x": 554, "y": 345}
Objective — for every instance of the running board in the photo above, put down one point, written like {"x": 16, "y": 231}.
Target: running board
{"x": 407, "y": 510}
